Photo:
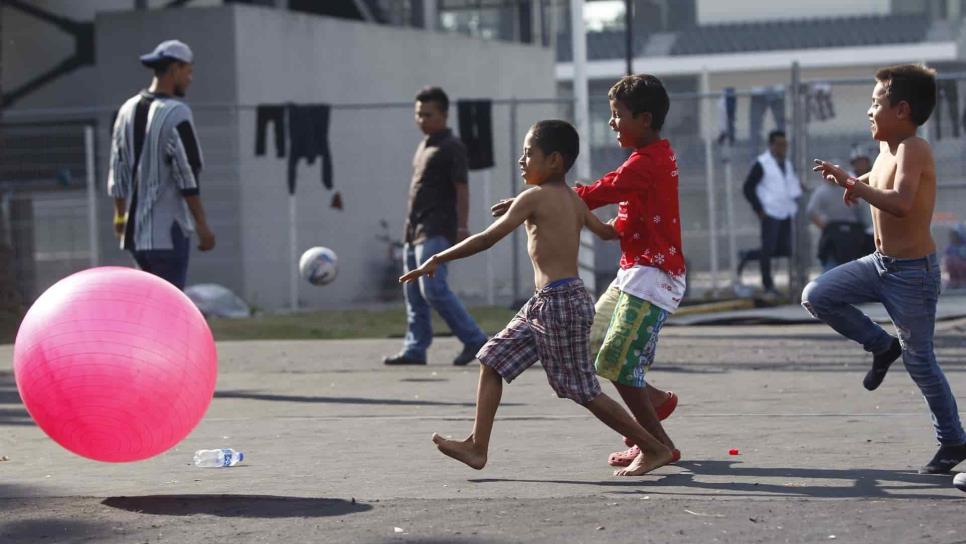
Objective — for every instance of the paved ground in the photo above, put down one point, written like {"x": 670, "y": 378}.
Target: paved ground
{"x": 338, "y": 450}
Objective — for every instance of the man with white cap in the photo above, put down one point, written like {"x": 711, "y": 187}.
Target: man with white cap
{"x": 155, "y": 163}
{"x": 845, "y": 229}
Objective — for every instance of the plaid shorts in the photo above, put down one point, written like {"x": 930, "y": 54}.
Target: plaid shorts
{"x": 624, "y": 336}
{"x": 553, "y": 326}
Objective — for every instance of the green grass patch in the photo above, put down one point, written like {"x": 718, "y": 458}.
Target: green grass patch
{"x": 333, "y": 324}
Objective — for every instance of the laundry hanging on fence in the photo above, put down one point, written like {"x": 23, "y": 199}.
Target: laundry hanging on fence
{"x": 764, "y": 99}
{"x": 727, "y": 106}
{"x": 818, "y": 100}
{"x": 274, "y": 114}
{"x": 308, "y": 133}
{"x": 476, "y": 132}
{"x": 947, "y": 95}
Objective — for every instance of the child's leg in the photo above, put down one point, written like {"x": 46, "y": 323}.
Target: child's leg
{"x": 627, "y": 352}
{"x": 504, "y": 357}
{"x": 831, "y": 297}
{"x": 473, "y": 450}
{"x": 654, "y": 454}
{"x": 911, "y": 301}
{"x": 642, "y": 408}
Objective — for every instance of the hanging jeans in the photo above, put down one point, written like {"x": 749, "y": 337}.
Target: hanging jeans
{"x": 772, "y": 99}
{"x": 948, "y": 94}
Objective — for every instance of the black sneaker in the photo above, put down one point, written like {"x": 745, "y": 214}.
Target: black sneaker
{"x": 468, "y": 355}
{"x": 880, "y": 365}
{"x": 945, "y": 459}
{"x": 401, "y": 359}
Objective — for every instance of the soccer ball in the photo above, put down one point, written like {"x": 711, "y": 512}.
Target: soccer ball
{"x": 960, "y": 481}
{"x": 319, "y": 265}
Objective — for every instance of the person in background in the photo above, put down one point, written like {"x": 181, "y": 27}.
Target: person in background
{"x": 154, "y": 168}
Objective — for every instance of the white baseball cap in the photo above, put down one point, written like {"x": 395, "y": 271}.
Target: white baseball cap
{"x": 170, "y": 49}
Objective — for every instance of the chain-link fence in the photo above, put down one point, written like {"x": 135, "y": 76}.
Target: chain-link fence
{"x": 57, "y": 215}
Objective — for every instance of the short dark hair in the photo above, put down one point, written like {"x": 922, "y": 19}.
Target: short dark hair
{"x": 434, "y": 94}
{"x": 556, "y": 136}
{"x": 913, "y": 83}
{"x": 774, "y": 135}
{"x": 642, "y": 93}
{"x": 162, "y": 66}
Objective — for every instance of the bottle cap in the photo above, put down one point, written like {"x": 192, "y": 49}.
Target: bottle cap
{"x": 241, "y": 457}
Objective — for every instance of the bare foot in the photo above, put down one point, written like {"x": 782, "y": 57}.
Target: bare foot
{"x": 464, "y": 451}
{"x": 643, "y": 464}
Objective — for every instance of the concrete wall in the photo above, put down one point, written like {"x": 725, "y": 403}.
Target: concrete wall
{"x": 717, "y": 11}
{"x": 287, "y": 57}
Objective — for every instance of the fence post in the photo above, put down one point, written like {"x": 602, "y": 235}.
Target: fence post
{"x": 799, "y": 261}
{"x": 706, "y": 133}
{"x": 95, "y": 245}
{"x": 514, "y": 174}
{"x": 730, "y": 213}
{"x": 585, "y": 260}
{"x": 293, "y": 257}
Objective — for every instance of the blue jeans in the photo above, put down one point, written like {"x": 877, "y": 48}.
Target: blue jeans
{"x": 909, "y": 290}
{"x": 426, "y": 293}
{"x": 168, "y": 264}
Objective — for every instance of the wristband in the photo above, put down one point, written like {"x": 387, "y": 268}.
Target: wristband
{"x": 120, "y": 219}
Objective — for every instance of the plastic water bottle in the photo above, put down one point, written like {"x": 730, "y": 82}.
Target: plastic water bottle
{"x": 225, "y": 457}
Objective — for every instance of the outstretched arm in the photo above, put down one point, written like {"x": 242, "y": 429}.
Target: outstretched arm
{"x": 605, "y": 231}
{"x": 911, "y": 157}
{"x": 518, "y": 212}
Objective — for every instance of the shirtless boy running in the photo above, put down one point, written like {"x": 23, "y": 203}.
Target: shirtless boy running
{"x": 554, "y": 325}
{"x": 903, "y": 272}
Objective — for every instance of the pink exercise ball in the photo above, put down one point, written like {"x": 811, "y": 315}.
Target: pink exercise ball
{"x": 115, "y": 364}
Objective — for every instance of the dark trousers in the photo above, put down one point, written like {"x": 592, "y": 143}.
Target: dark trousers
{"x": 167, "y": 264}
{"x": 776, "y": 241}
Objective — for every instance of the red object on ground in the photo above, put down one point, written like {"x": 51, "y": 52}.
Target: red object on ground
{"x": 733, "y": 451}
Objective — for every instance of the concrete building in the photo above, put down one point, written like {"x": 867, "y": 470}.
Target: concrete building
{"x": 248, "y": 56}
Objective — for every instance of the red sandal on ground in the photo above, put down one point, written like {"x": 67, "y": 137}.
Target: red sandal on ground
{"x": 624, "y": 458}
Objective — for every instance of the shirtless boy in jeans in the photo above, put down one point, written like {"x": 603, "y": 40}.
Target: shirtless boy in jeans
{"x": 903, "y": 273}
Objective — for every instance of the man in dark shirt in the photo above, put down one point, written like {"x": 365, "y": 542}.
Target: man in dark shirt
{"x": 437, "y": 219}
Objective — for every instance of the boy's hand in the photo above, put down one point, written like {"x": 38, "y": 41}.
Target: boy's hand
{"x": 428, "y": 269}
{"x": 831, "y": 172}
{"x": 501, "y": 207}
{"x": 849, "y": 197}
{"x": 614, "y": 234}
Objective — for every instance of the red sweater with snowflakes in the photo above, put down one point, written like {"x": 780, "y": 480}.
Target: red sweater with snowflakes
{"x": 645, "y": 188}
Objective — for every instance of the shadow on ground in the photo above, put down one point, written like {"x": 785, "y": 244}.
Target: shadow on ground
{"x": 252, "y": 395}
{"x": 236, "y": 506}
{"x": 53, "y": 530}
{"x": 852, "y": 483}
{"x": 12, "y": 411}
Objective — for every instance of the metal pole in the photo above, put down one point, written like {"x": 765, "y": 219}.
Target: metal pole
{"x": 629, "y": 36}
{"x": 582, "y": 120}
{"x": 730, "y": 213}
{"x": 515, "y": 236}
{"x": 293, "y": 259}
{"x": 95, "y": 246}
{"x": 581, "y": 100}
{"x": 487, "y": 256}
{"x": 799, "y": 261}
{"x": 708, "y": 114}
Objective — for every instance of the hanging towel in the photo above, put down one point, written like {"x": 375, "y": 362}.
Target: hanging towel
{"x": 476, "y": 132}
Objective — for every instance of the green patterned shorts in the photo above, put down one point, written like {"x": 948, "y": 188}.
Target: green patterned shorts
{"x": 624, "y": 336}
